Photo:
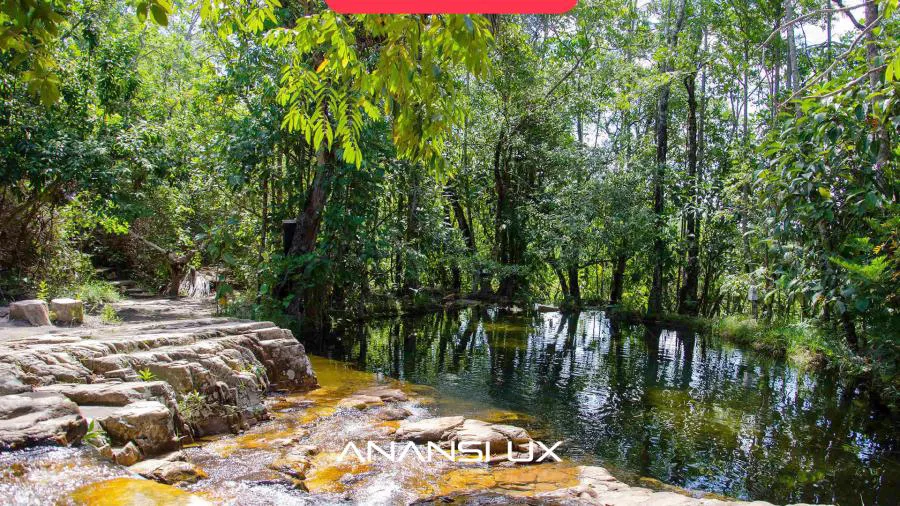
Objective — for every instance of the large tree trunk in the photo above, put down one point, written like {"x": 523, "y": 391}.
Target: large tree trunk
{"x": 309, "y": 300}
{"x": 687, "y": 298}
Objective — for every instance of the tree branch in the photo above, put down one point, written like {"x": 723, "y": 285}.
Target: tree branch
{"x": 814, "y": 14}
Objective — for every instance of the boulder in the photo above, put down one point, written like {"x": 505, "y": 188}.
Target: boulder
{"x": 149, "y": 424}
{"x": 495, "y": 435}
{"x": 170, "y": 473}
{"x": 430, "y": 429}
{"x": 36, "y": 418}
{"x": 294, "y": 464}
{"x": 33, "y": 311}
{"x": 67, "y": 310}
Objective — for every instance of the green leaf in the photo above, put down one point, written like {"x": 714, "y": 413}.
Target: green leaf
{"x": 160, "y": 16}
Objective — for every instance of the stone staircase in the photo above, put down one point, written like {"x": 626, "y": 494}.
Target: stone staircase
{"x": 127, "y": 287}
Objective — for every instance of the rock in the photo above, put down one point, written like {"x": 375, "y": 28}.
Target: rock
{"x": 133, "y": 491}
{"x": 293, "y": 464}
{"x": 33, "y": 311}
{"x": 360, "y": 402}
{"x": 36, "y": 418}
{"x": 228, "y": 363}
{"x": 390, "y": 413}
{"x": 12, "y": 380}
{"x": 385, "y": 394}
{"x": 497, "y": 436}
{"x": 430, "y": 429}
{"x": 170, "y": 473}
{"x": 115, "y": 394}
{"x": 67, "y": 310}
{"x": 149, "y": 424}
{"x": 127, "y": 455}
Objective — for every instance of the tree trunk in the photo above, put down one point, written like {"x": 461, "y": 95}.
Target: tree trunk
{"x": 309, "y": 301}
{"x": 618, "y": 280}
{"x": 876, "y": 80}
{"x": 465, "y": 229}
{"x": 655, "y": 302}
{"x": 563, "y": 284}
{"x": 455, "y": 274}
{"x": 793, "y": 69}
{"x": 574, "y": 286}
{"x": 687, "y": 298}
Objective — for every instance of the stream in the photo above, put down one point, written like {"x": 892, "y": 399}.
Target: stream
{"x": 648, "y": 404}
{"x": 658, "y": 408}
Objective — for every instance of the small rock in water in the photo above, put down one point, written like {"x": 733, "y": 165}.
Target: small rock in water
{"x": 128, "y": 455}
{"x": 393, "y": 413}
{"x": 360, "y": 402}
{"x": 170, "y": 473}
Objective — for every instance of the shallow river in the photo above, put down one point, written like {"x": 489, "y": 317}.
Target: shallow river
{"x": 646, "y": 403}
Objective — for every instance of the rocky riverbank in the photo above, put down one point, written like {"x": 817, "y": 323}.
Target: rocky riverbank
{"x": 174, "y": 409}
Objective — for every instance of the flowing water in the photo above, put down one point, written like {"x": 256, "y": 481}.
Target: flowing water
{"x": 676, "y": 407}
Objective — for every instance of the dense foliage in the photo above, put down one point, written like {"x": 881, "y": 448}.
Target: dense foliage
{"x": 660, "y": 157}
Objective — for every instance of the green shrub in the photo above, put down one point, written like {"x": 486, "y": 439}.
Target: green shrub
{"x": 109, "y": 315}
{"x": 146, "y": 375}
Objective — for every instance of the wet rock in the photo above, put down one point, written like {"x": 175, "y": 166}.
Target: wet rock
{"x": 390, "y": 413}
{"x": 34, "y": 312}
{"x": 430, "y": 429}
{"x": 385, "y": 394}
{"x": 36, "y": 418}
{"x": 149, "y": 424}
{"x": 133, "y": 491}
{"x": 170, "y": 473}
{"x": 70, "y": 311}
{"x": 497, "y": 436}
{"x": 359, "y": 401}
{"x": 127, "y": 455}
{"x": 293, "y": 464}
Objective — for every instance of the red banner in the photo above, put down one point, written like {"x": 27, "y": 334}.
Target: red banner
{"x": 451, "y": 6}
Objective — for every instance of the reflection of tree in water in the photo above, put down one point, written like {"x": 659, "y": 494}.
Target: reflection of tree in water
{"x": 675, "y": 406}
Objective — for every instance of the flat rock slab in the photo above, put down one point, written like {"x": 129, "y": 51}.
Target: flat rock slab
{"x": 428, "y": 430}
{"x": 113, "y": 394}
{"x": 39, "y": 418}
{"x": 33, "y": 311}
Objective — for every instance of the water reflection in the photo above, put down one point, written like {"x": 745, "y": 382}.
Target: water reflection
{"x": 684, "y": 409}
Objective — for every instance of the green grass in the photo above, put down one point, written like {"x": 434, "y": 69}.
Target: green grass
{"x": 94, "y": 294}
